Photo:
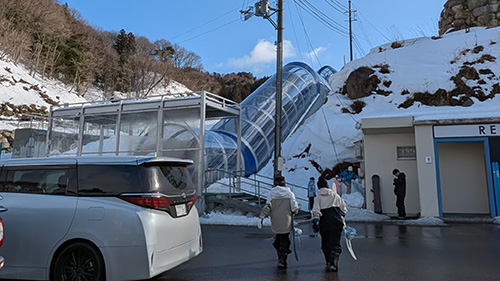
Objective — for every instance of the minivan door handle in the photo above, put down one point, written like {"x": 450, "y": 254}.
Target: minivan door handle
{"x": 3, "y": 209}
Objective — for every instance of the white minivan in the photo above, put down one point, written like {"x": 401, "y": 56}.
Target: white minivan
{"x": 97, "y": 218}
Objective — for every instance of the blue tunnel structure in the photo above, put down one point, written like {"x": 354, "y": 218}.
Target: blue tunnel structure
{"x": 304, "y": 92}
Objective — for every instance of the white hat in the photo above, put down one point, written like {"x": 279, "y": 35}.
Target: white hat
{"x": 349, "y": 168}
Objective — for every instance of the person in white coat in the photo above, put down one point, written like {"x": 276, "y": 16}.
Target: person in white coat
{"x": 280, "y": 205}
{"x": 330, "y": 209}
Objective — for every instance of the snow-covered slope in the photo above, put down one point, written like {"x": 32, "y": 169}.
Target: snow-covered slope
{"x": 19, "y": 90}
{"x": 18, "y": 87}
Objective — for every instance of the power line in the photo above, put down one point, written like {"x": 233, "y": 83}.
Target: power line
{"x": 357, "y": 44}
{"x": 330, "y": 134}
{"x": 209, "y": 31}
{"x": 308, "y": 7}
{"x": 321, "y": 17}
{"x": 373, "y": 25}
{"x": 294, "y": 33}
{"x": 340, "y": 5}
{"x": 203, "y": 24}
{"x": 336, "y": 7}
{"x": 365, "y": 35}
{"x": 307, "y": 36}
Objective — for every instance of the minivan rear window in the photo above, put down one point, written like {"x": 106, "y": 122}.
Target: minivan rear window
{"x": 108, "y": 180}
{"x": 169, "y": 179}
{"x": 111, "y": 180}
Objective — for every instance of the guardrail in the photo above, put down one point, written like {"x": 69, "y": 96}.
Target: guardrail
{"x": 257, "y": 185}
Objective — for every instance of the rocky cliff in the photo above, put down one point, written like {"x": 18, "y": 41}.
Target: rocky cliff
{"x": 463, "y": 14}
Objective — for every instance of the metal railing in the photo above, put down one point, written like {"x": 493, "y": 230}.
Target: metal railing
{"x": 231, "y": 183}
{"x": 33, "y": 121}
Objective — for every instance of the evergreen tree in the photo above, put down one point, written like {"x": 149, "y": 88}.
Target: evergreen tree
{"x": 125, "y": 46}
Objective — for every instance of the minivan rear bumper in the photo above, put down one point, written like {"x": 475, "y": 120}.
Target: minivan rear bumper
{"x": 167, "y": 259}
{"x": 132, "y": 263}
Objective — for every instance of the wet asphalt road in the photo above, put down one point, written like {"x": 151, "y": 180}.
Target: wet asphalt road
{"x": 384, "y": 251}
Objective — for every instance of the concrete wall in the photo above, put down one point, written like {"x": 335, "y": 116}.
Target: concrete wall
{"x": 426, "y": 166}
{"x": 381, "y": 158}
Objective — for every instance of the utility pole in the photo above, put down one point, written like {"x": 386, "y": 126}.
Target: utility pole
{"x": 278, "y": 160}
{"x": 262, "y": 9}
{"x": 352, "y": 17}
{"x": 350, "y": 30}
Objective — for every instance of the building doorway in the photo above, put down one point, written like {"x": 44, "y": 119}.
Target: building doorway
{"x": 463, "y": 180}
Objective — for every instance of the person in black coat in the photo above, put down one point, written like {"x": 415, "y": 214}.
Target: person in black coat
{"x": 400, "y": 192}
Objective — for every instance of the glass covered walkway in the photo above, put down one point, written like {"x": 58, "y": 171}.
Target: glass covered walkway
{"x": 304, "y": 91}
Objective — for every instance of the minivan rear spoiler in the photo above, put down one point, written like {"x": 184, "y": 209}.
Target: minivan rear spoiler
{"x": 167, "y": 160}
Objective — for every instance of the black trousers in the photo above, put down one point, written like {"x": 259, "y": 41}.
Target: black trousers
{"x": 330, "y": 229}
{"x": 282, "y": 244}
{"x": 400, "y": 203}
{"x": 330, "y": 241}
{"x": 311, "y": 203}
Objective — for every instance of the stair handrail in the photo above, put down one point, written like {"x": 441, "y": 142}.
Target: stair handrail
{"x": 256, "y": 185}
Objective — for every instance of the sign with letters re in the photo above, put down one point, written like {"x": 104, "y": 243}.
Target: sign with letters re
{"x": 469, "y": 130}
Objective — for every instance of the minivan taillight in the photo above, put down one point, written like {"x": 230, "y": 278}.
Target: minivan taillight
{"x": 176, "y": 206}
{"x": 1, "y": 232}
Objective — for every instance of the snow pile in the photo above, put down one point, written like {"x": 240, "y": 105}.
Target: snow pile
{"x": 221, "y": 186}
{"x": 354, "y": 199}
{"x": 496, "y": 220}
{"x": 363, "y": 215}
{"x": 232, "y": 218}
{"x": 425, "y": 221}
{"x": 227, "y": 217}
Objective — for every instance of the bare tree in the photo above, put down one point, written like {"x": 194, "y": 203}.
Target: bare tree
{"x": 183, "y": 58}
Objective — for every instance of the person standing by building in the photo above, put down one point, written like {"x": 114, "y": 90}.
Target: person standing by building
{"x": 311, "y": 192}
{"x": 329, "y": 208}
{"x": 400, "y": 192}
{"x": 347, "y": 176}
{"x": 280, "y": 205}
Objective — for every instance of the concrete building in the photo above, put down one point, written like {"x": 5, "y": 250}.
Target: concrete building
{"x": 451, "y": 165}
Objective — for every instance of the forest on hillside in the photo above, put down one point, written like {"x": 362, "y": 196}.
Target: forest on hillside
{"x": 54, "y": 41}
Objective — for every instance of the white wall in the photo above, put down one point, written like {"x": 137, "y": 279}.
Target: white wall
{"x": 426, "y": 171}
{"x": 381, "y": 158}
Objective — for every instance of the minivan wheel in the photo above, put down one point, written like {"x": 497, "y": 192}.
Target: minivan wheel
{"x": 78, "y": 261}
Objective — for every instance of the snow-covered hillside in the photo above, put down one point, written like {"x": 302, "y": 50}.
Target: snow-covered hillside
{"x": 19, "y": 90}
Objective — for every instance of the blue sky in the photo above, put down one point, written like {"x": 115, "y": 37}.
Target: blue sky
{"x": 216, "y": 31}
